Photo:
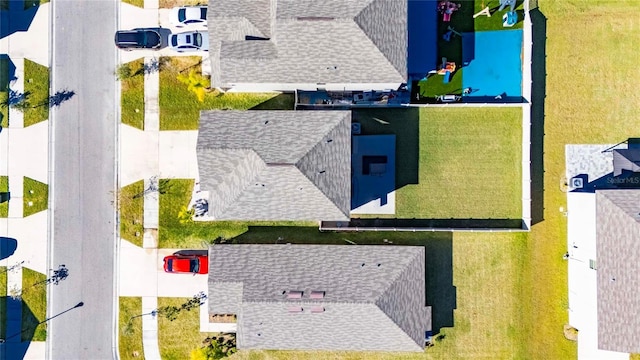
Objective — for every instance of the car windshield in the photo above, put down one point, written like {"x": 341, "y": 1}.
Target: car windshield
{"x": 169, "y": 265}
{"x": 194, "y": 266}
{"x": 182, "y": 15}
{"x": 203, "y": 13}
{"x": 197, "y": 39}
{"x": 174, "y": 40}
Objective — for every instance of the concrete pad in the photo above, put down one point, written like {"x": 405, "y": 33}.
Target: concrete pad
{"x": 178, "y": 157}
{"x": 150, "y": 328}
{"x": 150, "y": 238}
{"x": 4, "y": 152}
{"x": 31, "y": 234}
{"x": 132, "y": 17}
{"x": 16, "y": 207}
{"x": 138, "y": 154}
{"x": 34, "y": 43}
{"x": 36, "y": 351}
{"x": 16, "y": 117}
{"x": 137, "y": 275}
{"x": 29, "y": 152}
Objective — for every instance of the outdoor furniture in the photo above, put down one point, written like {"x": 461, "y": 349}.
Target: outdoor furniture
{"x": 509, "y": 19}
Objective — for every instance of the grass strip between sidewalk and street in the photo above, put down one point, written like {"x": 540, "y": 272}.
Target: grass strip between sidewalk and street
{"x": 177, "y": 232}
{"x": 130, "y": 341}
{"x": 132, "y": 97}
{"x": 180, "y": 109}
{"x": 132, "y": 212}
{"x": 35, "y": 196}
{"x": 36, "y": 84}
{"x": 4, "y": 190}
{"x": 178, "y": 338}
{"x": 34, "y": 305}
{"x": 138, "y": 3}
{"x": 3, "y": 301}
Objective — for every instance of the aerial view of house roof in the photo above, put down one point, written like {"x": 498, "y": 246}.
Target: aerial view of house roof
{"x": 322, "y": 296}
{"x": 307, "y": 41}
{"x": 276, "y": 165}
{"x": 618, "y": 251}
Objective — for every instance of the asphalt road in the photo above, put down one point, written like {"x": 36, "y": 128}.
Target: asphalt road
{"x": 84, "y": 179}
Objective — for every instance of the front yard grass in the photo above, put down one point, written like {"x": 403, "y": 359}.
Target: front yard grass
{"x": 28, "y": 4}
{"x": 177, "y": 233}
{"x": 4, "y": 188}
{"x": 168, "y": 4}
{"x": 36, "y": 196}
{"x": 4, "y": 87}
{"x": 3, "y": 300}
{"x": 138, "y": 3}
{"x": 36, "y": 84}
{"x": 177, "y": 338}
{"x": 180, "y": 109}
{"x": 130, "y": 341}
{"x": 462, "y": 163}
{"x": 131, "y": 212}
{"x": 34, "y": 305}
{"x": 132, "y": 95}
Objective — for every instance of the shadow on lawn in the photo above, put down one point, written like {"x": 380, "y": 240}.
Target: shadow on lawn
{"x": 284, "y": 101}
{"x": 16, "y": 16}
{"x": 538, "y": 94}
{"x": 440, "y": 292}
{"x": 22, "y": 327}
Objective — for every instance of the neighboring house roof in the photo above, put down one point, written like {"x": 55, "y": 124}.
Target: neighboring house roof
{"x": 374, "y": 296}
{"x": 626, "y": 159}
{"x": 307, "y": 41}
{"x": 276, "y": 165}
{"x": 618, "y": 268}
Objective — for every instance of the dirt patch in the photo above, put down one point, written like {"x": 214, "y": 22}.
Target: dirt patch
{"x": 570, "y": 333}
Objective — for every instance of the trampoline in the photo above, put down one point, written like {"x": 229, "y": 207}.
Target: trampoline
{"x": 493, "y": 65}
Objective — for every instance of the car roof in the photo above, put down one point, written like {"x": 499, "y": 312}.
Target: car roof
{"x": 180, "y": 264}
{"x": 195, "y": 12}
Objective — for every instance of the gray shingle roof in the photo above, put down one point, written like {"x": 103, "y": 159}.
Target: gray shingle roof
{"x": 366, "y": 306}
{"x": 276, "y": 165}
{"x": 618, "y": 259}
{"x": 309, "y": 41}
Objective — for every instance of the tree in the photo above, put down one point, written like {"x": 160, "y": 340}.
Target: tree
{"x": 196, "y": 83}
{"x": 215, "y": 347}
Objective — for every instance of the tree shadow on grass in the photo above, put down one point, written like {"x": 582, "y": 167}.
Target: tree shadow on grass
{"x": 440, "y": 292}
{"x": 538, "y": 94}
{"x": 18, "y": 317}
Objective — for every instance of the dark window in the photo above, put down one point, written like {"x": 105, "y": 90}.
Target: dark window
{"x": 169, "y": 265}
{"x": 197, "y": 39}
{"x": 174, "y": 41}
{"x": 182, "y": 15}
{"x": 203, "y": 13}
{"x": 195, "y": 266}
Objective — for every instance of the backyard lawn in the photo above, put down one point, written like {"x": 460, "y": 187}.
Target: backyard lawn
{"x": 177, "y": 338}
{"x": 131, "y": 212}
{"x": 36, "y": 196}
{"x": 177, "y": 232}
{"x": 36, "y": 84}
{"x": 454, "y": 162}
{"x": 34, "y": 305}
{"x": 132, "y": 98}
{"x": 130, "y": 337}
{"x": 179, "y": 107}
{"x": 4, "y": 188}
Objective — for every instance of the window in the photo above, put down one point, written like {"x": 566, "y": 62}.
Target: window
{"x": 182, "y": 15}
{"x": 592, "y": 264}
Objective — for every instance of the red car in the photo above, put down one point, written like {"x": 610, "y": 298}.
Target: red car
{"x": 190, "y": 264}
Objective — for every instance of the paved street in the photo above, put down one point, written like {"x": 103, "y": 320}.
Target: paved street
{"x": 84, "y": 150}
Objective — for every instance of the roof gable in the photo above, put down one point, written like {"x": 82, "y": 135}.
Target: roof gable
{"x": 276, "y": 165}
{"x": 374, "y": 297}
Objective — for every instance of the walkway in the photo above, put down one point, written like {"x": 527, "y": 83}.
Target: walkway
{"x": 23, "y": 152}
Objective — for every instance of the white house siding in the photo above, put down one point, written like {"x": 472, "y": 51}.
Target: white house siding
{"x": 581, "y": 245}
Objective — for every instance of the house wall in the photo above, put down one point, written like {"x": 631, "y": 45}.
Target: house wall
{"x": 583, "y": 300}
{"x": 285, "y": 87}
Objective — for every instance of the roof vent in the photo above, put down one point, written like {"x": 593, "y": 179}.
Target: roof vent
{"x": 317, "y": 295}
{"x": 295, "y": 309}
{"x": 295, "y": 294}
{"x": 317, "y": 309}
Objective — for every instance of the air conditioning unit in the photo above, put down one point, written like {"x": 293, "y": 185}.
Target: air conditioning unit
{"x": 577, "y": 183}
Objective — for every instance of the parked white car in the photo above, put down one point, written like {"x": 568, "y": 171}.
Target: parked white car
{"x": 189, "y": 41}
{"x": 193, "y": 15}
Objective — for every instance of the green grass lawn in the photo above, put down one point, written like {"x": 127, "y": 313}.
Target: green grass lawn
{"x": 34, "y": 305}
{"x": 4, "y": 188}
{"x": 132, "y": 98}
{"x": 36, "y": 84}
{"x": 130, "y": 340}
{"x": 4, "y": 87}
{"x": 174, "y": 233}
{"x": 138, "y": 3}
{"x": 37, "y": 194}
{"x": 461, "y": 163}
{"x": 131, "y": 213}
{"x": 177, "y": 338}
{"x": 179, "y": 108}
{"x": 3, "y": 300}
